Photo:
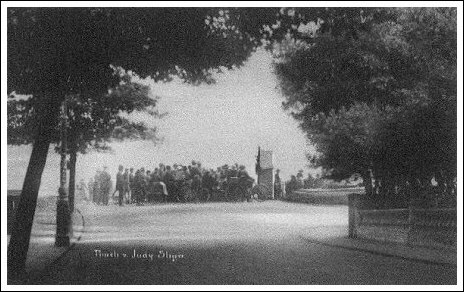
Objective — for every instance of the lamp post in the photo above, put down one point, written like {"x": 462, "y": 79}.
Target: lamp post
{"x": 63, "y": 215}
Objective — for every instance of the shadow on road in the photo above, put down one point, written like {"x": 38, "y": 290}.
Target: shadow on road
{"x": 226, "y": 244}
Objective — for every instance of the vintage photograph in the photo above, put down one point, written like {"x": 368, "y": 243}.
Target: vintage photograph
{"x": 233, "y": 145}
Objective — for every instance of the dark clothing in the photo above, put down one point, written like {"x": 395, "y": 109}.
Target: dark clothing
{"x": 291, "y": 186}
{"x": 277, "y": 179}
{"x": 277, "y": 186}
{"x": 96, "y": 190}
{"x": 105, "y": 187}
{"x": 120, "y": 187}
{"x": 131, "y": 180}
{"x": 139, "y": 187}
{"x": 126, "y": 187}
{"x": 171, "y": 186}
{"x": 120, "y": 195}
{"x": 119, "y": 180}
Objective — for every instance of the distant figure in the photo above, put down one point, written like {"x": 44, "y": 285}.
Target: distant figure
{"x": 139, "y": 186}
{"x": 97, "y": 198}
{"x": 90, "y": 189}
{"x": 292, "y": 185}
{"x": 105, "y": 185}
{"x": 169, "y": 180}
{"x": 120, "y": 185}
{"x": 149, "y": 187}
{"x": 299, "y": 178}
{"x": 196, "y": 185}
{"x": 277, "y": 185}
{"x": 131, "y": 185}
{"x": 158, "y": 182}
{"x": 135, "y": 187}
{"x": 126, "y": 186}
{"x": 309, "y": 182}
{"x": 81, "y": 190}
{"x": 209, "y": 183}
{"x": 162, "y": 171}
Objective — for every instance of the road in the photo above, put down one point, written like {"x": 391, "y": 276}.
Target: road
{"x": 227, "y": 243}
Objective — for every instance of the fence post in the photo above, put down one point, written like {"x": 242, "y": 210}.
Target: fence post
{"x": 353, "y": 215}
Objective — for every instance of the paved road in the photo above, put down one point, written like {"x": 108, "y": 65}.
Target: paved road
{"x": 227, "y": 243}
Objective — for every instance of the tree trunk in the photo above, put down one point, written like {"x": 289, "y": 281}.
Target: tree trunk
{"x": 24, "y": 217}
{"x": 72, "y": 178}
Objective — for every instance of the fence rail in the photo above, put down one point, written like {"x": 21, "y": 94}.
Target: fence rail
{"x": 423, "y": 227}
{"x": 322, "y": 196}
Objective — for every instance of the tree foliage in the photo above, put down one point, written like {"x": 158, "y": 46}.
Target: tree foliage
{"x": 70, "y": 50}
{"x": 378, "y": 98}
{"x": 92, "y": 121}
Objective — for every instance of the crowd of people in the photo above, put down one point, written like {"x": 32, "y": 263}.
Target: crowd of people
{"x": 176, "y": 183}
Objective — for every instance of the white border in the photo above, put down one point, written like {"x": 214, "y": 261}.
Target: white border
{"x": 6, "y": 4}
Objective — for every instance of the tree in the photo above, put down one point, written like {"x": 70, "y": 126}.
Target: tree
{"x": 92, "y": 122}
{"x": 345, "y": 141}
{"x": 55, "y": 52}
{"x": 96, "y": 121}
{"x": 378, "y": 97}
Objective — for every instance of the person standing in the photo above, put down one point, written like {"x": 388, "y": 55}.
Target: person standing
{"x": 126, "y": 186}
{"x": 97, "y": 198}
{"x": 162, "y": 171}
{"x": 139, "y": 182}
{"x": 131, "y": 185}
{"x": 292, "y": 185}
{"x": 120, "y": 185}
{"x": 135, "y": 188}
{"x": 150, "y": 187}
{"x": 169, "y": 180}
{"x": 90, "y": 188}
{"x": 143, "y": 185}
{"x": 82, "y": 190}
{"x": 105, "y": 181}
{"x": 158, "y": 182}
{"x": 277, "y": 184}
{"x": 299, "y": 178}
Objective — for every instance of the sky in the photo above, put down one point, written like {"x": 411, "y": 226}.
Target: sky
{"x": 222, "y": 123}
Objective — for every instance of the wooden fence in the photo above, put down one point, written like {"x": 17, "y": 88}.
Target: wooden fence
{"x": 322, "y": 196}
{"x": 418, "y": 227}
